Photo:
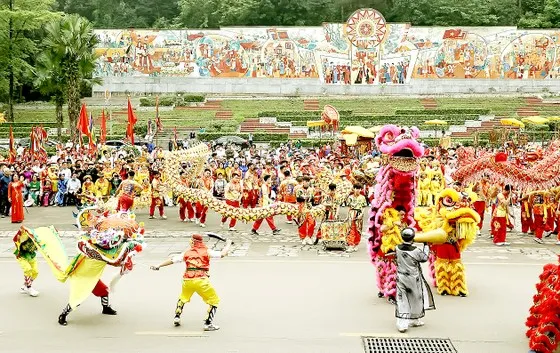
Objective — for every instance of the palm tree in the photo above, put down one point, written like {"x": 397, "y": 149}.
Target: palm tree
{"x": 51, "y": 81}
{"x": 72, "y": 39}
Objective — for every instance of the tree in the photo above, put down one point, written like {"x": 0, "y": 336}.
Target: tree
{"x": 72, "y": 40}
{"x": 20, "y": 22}
{"x": 50, "y": 80}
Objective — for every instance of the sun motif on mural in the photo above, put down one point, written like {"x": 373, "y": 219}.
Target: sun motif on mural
{"x": 366, "y": 28}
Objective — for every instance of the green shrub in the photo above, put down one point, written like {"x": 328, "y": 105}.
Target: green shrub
{"x": 257, "y": 137}
{"x": 456, "y": 111}
{"x": 172, "y": 100}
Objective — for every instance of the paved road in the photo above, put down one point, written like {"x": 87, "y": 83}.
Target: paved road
{"x": 277, "y": 296}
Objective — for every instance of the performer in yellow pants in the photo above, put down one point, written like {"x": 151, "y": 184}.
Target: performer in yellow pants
{"x": 195, "y": 279}
{"x": 25, "y": 253}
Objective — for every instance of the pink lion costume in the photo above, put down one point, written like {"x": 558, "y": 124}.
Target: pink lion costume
{"x": 393, "y": 204}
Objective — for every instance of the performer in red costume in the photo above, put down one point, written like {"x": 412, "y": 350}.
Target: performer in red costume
{"x": 305, "y": 221}
{"x": 206, "y": 184}
{"x": 250, "y": 187}
{"x": 157, "y": 196}
{"x": 196, "y": 278}
{"x": 539, "y": 215}
{"x": 186, "y": 211}
{"x": 500, "y": 217}
{"x": 265, "y": 200}
{"x": 479, "y": 205}
{"x": 233, "y": 195}
{"x": 126, "y": 191}
{"x": 526, "y": 215}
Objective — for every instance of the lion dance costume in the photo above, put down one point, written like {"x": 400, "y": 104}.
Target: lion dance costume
{"x": 544, "y": 316}
{"x": 449, "y": 227}
{"x": 108, "y": 239}
{"x": 395, "y": 189}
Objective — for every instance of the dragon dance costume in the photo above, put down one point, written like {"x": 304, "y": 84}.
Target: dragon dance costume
{"x": 26, "y": 253}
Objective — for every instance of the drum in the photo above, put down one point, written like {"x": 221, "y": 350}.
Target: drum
{"x": 334, "y": 234}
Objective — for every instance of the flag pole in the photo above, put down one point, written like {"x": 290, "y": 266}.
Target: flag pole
{"x": 157, "y": 119}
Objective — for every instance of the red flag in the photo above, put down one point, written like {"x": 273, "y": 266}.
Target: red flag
{"x": 83, "y": 122}
{"x": 103, "y": 136}
{"x": 12, "y": 154}
{"x": 131, "y": 122}
{"x": 159, "y": 125}
{"x": 175, "y": 139}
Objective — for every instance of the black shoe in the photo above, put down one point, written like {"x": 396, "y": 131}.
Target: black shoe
{"x": 380, "y": 295}
{"x": 462, "y": 295}
{"x": 62, "y": 320}
{"x": 444, "y": 293}
{"x": 107, "y": 310}
{"x": 254, "y": 232}
{"x": 392, "y": 300}
{"x": 549, "y": 234}
{"x": 276, "y": 231}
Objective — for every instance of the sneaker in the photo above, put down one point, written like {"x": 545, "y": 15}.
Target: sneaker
{"x": 151, "y": 217}
{"x": 222, "y": 225}
{"x": 289, "y": 222}
{"x": 558, "y": 242}
{"x": 177, "y": 321}
{"x": 24, "y": 290}
{"x": 254, "y": 232}
{"x": 62, "y": 320}
{"x": 32, "y": 292}
{"x": 191, "y": 220}
{"x": 163, "y": 217}
{"x": 107, "y": 310}
{"x": 232, "y": 229}
{"x": 402, "y": 330}
{"x": 276, "y": 231}
{"x": 499, "y": 244}
{"x": 304, "y": 242}
{"x": 203, "y": 225}
{"x": 507, "y": 244}
{"x": 196, "y": 221}
{"x": 537, "y": 240}
{"x": 185, "y": 220}
{"x": 417, "y": 323}
{"x": 211, "y": 327}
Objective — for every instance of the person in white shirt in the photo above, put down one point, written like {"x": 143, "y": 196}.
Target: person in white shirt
{"x": 74, "y": 186}
{"x": 65, "y": 171}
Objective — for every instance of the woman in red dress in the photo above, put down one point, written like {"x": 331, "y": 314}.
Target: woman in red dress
{"x": 15, "y": 197}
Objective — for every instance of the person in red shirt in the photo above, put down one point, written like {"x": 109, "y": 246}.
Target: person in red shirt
{"x": 206, "y": 184}
{"x": 157, "y": 196}
{"x": 196, "y": 278}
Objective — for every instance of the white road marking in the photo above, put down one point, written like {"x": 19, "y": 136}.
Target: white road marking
{"x": 360, "y": 334}
{"x": 172, "y": 333}
{"x": 493, "y": 257}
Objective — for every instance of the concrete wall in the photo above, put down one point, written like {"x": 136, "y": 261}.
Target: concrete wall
{"x": 313, "y": 87}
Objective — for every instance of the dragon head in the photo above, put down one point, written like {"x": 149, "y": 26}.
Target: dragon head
{"x": 401, "y": 146}
{"x": 458, "y": 221}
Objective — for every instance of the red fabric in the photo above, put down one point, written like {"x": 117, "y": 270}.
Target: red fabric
{"x": 354, "y": 235}
{"x": 184, "y": 205}
{"x": 446, "y": 251}
{"x": 16, "y": 198}
{"x": 131, "y": 122}
{"x": 103, "y": 136}
{"x": 125, "y": 202}
{"x": 251, "y": 198}
{"x": 480, "y": 208}
{"x": 526, "y": 224}
{"x": 156, "y": 202}
{"x": 269, "y": 220}
{"x": 539, "y": 225}
{"x": 197, "y": 258}
{"x": 232, "y": 221}
{"x": 12, "y": 153}
{"x": 498, "y": 229}
{"x": 549, "y": 220}
{"x": 307, "y": 228}
{"x": 100, "y": 290}
{"x": 201, "y": 212}
{"x": 83, "y": 122}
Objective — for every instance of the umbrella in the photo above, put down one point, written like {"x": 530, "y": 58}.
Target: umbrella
{"x": 554, "y": 118}
{"x": 359, "y": 131}
{"x": 512, "y": 122}
{"x": 537, "y": 120}
{"x": 435, "y": 122}
{"x": 316, "y": 123}
{"x": 375, "y": 128}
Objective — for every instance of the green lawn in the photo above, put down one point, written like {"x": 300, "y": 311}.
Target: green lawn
{"x": 362, "y": 111}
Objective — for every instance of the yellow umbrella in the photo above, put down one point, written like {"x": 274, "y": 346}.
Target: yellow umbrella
{"x": 435, "y": 122}
{"x": 375, "y": 128}
{"x": 554, "y": 118}
{"x": 537, "y": 120}
{"x": 512, "y": 122}
{"x": 316, "y": 123}
{"x": 359, "y": 131}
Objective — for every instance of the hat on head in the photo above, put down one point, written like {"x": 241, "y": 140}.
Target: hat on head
{"x": 197, "y": 237}
{"x": 408, "y": 235}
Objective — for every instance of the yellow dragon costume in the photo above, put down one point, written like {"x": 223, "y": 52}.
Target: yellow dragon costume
{"x": 450, "y": 227}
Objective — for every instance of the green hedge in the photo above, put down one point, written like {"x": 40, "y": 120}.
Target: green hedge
{"x": 172, "y": 100}
{"x": 27, "y": 124}
{"x": 299, "y": 113}
{"x": 257, "y": 137}
{"x": 457, "y": 111}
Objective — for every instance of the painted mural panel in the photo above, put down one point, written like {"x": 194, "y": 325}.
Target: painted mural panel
{"x": 334, "y": 53}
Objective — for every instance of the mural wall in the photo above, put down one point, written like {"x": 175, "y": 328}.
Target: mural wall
{"x": 365, "y": 50}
